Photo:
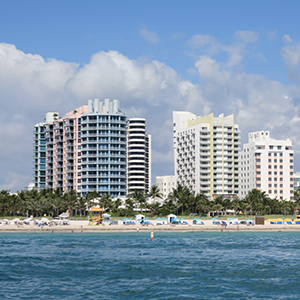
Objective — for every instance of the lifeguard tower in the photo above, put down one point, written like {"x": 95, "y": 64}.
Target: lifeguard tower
{"x": 95, "y": 215}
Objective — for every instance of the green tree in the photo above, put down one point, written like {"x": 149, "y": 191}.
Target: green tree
{"x": 155, "y": 193}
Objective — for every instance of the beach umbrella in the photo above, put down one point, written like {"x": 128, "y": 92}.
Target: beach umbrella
{"x": 27, "y": 220}
{"x": 16, "y": 220}
{"x": 45, "y": 220}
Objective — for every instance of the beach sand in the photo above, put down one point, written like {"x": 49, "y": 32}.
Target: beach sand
{"x": 82, "y": 226}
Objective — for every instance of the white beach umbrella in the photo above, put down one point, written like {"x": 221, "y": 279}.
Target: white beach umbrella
{"x": 16, "y": 220}
{"x": 45, "y": 220}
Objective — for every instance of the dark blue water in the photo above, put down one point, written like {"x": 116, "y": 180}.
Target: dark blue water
{"x": 203, "y": 265}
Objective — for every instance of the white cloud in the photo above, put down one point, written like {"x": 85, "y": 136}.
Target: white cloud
{"x": 178, "y": 35}
{"x": 286, "y": 38}
{"x": 209, "y": 46}
{"x": 149, "y": 36}
{"x": 30, "y": 86}
{"x": 291, "y": 57}
{"x": 246, "y": 36}
{"x": 200, "y": 40}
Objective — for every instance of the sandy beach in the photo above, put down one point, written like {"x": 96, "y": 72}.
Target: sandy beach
{"x": 82, "y": 226}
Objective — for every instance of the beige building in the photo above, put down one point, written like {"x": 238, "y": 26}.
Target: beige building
{"x": 267, "y": 164}
{"x": 206, "y": 153}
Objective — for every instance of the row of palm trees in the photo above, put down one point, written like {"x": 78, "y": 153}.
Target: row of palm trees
{"x": 180, "y": 201}
{"x": 53, "y": 202}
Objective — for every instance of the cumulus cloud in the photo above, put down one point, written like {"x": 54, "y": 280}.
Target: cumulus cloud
{"x": 246, "y": 36}
{"x": 258, "y": 103}
{"x": 291, "y": 57}
{"x": 149, "y": 36}
{"x": 30, "y": 86}
{"x": 208, "y": 45}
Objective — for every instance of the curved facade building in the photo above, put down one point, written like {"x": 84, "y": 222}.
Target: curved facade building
{"x": 138, "y": 156}
{"x": 103, "y": 149}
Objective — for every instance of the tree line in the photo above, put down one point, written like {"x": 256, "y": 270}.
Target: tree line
{"x": 181, "y": 201}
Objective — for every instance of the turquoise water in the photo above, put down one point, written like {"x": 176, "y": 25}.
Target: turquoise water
{"x": 202, "y": 265}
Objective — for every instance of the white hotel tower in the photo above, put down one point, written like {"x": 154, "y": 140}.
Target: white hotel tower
{"x": 138, "y": 156}
{"x": 267, "y": 165}
{"x": 206, "y": 153}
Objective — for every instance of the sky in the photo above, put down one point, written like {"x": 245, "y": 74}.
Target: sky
{"x": 156, "y": 57}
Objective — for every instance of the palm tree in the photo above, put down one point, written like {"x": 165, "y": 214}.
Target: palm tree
{"x": 81, "y": 204}
{"x": 117, "y": 204}
{"x": 155, "y": 193}
{"x": 201, "y": 201}
{"x": 71, "y": 198}
{"x": 155, "y": 208}
{"x": 129, "y": 204}
{"x": 57, "y": 204}
{"x": 4, "y": 199}
{"x": 106, "y": 201}
{"x": 139, "y": 198}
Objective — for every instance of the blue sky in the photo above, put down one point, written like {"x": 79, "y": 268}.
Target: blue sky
{"x": 238, "y": 57}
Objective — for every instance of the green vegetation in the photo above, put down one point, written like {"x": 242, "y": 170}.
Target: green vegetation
{"x": 181, "y": 201}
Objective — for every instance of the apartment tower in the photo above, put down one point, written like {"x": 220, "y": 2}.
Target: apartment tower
{"x": 267, "y": 165}
{"x": 39, "y": 152}
{"x": 63, "y": 145}
{"x": 103, "y": 148}
{"x": 138, "y": 156}
{"x": 206, "y": 153}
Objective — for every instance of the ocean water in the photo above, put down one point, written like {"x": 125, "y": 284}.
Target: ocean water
{"x": 195, "y": 265}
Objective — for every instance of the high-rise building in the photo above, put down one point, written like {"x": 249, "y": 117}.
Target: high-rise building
{"x": 138, "y": 156}
{"x": 206, "y": 153}
{"x": 267, "y": 164}
{"x": 64, "y": 151}
{"x": 86, "y": 151}
{"x": 39, "y": 152}
{"x": 103, "y": 148}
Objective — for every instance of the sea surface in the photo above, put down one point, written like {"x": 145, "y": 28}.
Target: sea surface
{"x": 193, "y": 265}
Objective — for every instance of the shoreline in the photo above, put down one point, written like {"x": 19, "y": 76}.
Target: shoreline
{"x": 83, "y": 227}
